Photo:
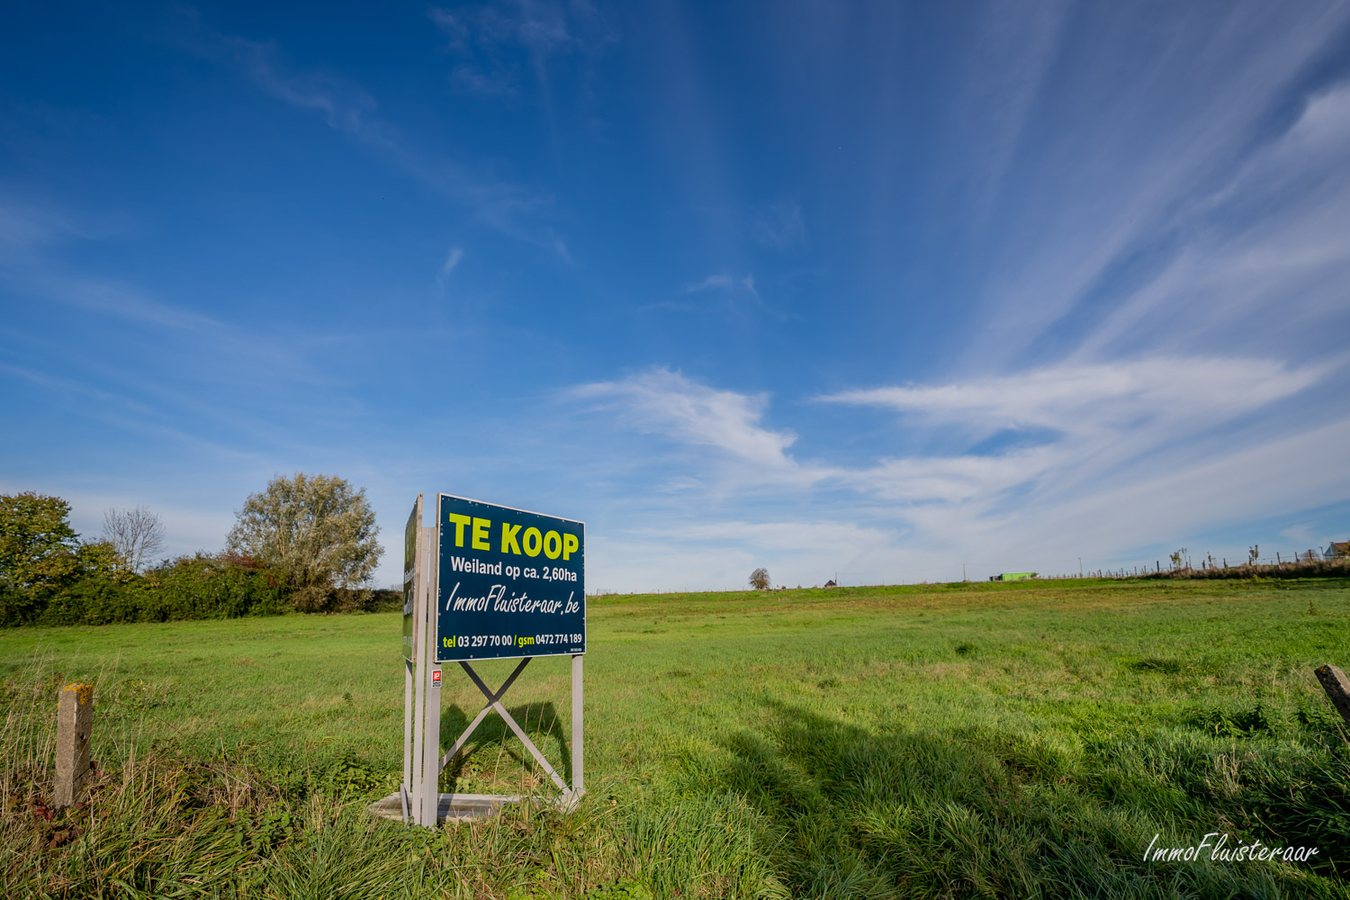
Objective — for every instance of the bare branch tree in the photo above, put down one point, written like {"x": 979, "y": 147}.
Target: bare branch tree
{"x": 759, "y": 579}
{"x": 136, "y": 534}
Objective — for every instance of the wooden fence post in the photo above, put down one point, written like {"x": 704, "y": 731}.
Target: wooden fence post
{"x": 1337, "y": 687}
{"x": 74, "y": 724}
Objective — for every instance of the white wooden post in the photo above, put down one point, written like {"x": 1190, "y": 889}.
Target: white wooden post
{"x": 431, "y": 672}
{"x": 420, "y": 604}
{"x": 578, "y": 779}
{"x": 405, "y": 786}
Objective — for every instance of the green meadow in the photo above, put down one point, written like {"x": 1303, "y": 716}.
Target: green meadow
{"x": 964, "y": 740}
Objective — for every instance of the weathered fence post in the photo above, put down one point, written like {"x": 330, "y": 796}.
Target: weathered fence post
{"x": 1337, "y": 687}
{"x": 74, "y": 724}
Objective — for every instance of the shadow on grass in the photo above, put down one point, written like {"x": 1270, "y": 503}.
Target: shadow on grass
{"x": 493, "y": 748}
{"x": 903, "y": 813}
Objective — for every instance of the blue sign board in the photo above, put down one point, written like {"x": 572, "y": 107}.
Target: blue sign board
{"x": 510, "y": 583}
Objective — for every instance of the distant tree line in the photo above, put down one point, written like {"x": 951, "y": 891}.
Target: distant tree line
{"x": 306, "y": 543}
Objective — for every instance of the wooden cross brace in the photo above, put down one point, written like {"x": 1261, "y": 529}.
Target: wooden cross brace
{"x": 494, "y": 702}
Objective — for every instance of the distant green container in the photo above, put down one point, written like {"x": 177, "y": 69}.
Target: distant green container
{"x": 1016, "y": 576}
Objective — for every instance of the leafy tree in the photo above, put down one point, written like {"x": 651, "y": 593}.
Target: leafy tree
{"x": 135, "y": 534}
{"x": 41, "y": 555}
{"x": 759, "y": 579}
{"x": 38, "y": 548}
{"x": 315, "y": 529}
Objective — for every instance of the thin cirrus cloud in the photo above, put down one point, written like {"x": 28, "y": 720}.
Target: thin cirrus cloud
{"x": 1098, "y": 423}
{"x": 502, "y": 46}
{"x": 712, "y": 282}
{"x": 730, "y": 287}
{"x": 452, "y": 260}
{"x": 25, "y": 227}
{"x": 781, "y": 227}
{"x": 1083, "y": 397}
{"x": 1226, "y": 180}
{"x": 239, "y": 355}
{"x": 515, "y": 210}
{"x": 1271, "y": 248}
{"x": 241, "y": 366}
{"x": 666, "y": 403}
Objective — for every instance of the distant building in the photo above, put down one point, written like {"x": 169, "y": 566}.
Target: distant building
{"x": 831, "y": 583}
{"x": 1337, "y": 548}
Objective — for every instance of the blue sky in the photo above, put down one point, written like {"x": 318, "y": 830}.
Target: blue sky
{"x": 881, "y": 290}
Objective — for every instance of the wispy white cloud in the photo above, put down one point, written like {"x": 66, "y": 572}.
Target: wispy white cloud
{"x": 780, "y": 227}
{"x": 1202, "y": 190}
{"x": 24, "y": 226}
{"x": 1009, "y": 54}
{"x": 154, "y": 414}
{"x": 1076, "y": 398}
{"x": 1235, "y": 485}
{"x": 712, "y": 282}
{"x": 731, "y": 286}
{"x": 1285, "y": 260}
{"x": 513, "y": 209}
{"x": 109, "y": 298}
{"x": 248, "y": 372}
{"x": 473, "y": 80}
{"x": 665, "y": 402}
{"x": 560, "y": 247}
{"x": 452, "y": 26}
{"x": 451, "y": 261}
{"x": 954, "y": 479}
{"x": 501, "y": 47}
{"x": 240, "y": 355}
{"x": 1096, "y": 422}
{"x": 1300, "y": 533}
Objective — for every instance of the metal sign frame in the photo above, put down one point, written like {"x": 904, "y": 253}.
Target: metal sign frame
{"x": 419, "y": 800}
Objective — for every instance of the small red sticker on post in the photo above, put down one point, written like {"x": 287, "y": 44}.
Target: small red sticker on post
{"x": 436, "y": 678}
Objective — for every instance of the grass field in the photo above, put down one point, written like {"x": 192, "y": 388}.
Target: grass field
{"x": 981, "y": 740}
